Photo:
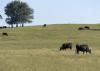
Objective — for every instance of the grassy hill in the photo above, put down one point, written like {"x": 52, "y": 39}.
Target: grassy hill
{"x": 37, "y": 49}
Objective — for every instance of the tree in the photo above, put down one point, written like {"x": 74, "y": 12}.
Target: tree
{"x": 10, "y": 21}
{"x": 18, "y": 13}
{"x": 0, "y": 17}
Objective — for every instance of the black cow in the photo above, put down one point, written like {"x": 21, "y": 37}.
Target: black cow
{"x": 4, "y": 26}
{"x": 44, "y": 25}
{"x": 4, "y": 34}
{"x": 1, "y": 27}
{"x": 83, "y": 48}
{"x": 80, "y": 28}
{"x": 66, "y": 46}
{"x": 87, "y": 27}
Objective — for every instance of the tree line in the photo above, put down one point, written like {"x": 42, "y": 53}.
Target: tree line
{"x": 18, "y": 13}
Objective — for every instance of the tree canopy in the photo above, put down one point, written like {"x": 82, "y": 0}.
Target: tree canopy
{"x": 18, "y": 13}
{"x": 0, "y": 17}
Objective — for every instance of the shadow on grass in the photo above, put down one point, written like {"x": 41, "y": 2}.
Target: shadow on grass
{"x": 95, "y": 29}
{"x": 92, "y": 29}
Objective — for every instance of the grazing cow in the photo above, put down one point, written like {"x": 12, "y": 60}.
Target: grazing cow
{"x": 87, "y": 27}
{"x": 83, "y": 48}
{"x": 1, "y": 27}
{"x": 44, "y": 25}
{"x": 80, "y": 28}
{"x": 4, "y": 26}
{"x": 66, "y": 46}
{"x": 4, "y": 34}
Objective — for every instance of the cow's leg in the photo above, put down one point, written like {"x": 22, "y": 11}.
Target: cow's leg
{"x": 86, "y": 52}
{"x": 77, "y": 52}
{"x": 83, "y": 52}
{"x": 63, "y": 49}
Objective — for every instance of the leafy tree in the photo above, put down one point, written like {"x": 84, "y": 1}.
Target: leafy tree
{"x": 0, "y": 17}
{"x": 18, "y": 13}
{"x": 10, "y": 21}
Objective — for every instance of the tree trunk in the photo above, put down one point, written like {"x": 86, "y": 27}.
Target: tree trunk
{"x": 22, "y": 24}
{"x": 0, "y": 17}
{"x": 9, "y": 25}
{"x": 16, "y": 25}
{"x": 12, "y": 26}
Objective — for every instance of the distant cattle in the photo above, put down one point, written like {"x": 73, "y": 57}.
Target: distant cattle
{"x": 4, "y": 26}
{"x": 80, "y": 28}
{"x": 83, "y": 48}
{"x": 1, "y": 27}
{"x": 66, "y": 46}
{"x": 4, "y": 34}
{"x": 84, "y": 28}
{"x": 44, "y": 25}
{"x": 87, "y": 27}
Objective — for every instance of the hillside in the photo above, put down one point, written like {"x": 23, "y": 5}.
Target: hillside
{"x": 37, "y": 49}
{"x": 53, "y": 35}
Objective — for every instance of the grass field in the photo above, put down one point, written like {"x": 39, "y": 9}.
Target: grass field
{"x": 37, "y": 49}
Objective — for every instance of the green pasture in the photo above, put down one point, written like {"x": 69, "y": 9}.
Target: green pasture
{"x": 35, "y": 48}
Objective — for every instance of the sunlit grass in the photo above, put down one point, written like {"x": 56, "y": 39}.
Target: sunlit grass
{"x": 37, "y": 49}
